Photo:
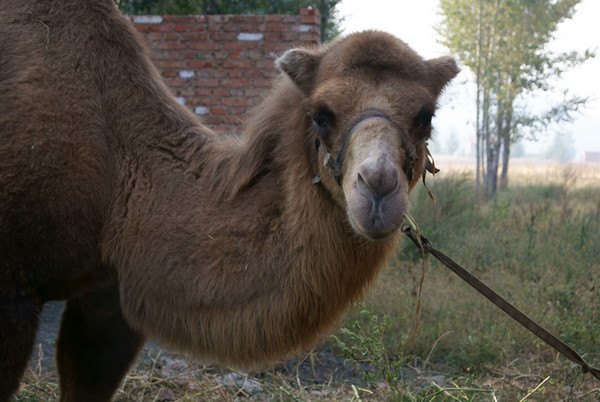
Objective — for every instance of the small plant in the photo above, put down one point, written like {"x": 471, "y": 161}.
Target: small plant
{"x": 365, "y": 348}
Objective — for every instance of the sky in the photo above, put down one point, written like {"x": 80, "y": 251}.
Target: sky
{"x": 414, "y": 21}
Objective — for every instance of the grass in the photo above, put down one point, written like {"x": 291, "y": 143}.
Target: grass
{"x": 537, "y": 243}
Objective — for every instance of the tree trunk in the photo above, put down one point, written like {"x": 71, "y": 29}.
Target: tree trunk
{"x": 505, "y": 159}
{"x": 506, "y": 137}
{"x": 478, "y": 133}
{"x": 325, "y": 15}
{"x": 486, "y": 143}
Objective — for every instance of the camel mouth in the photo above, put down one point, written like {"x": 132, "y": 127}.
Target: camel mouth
{"x": 376, "y": 217}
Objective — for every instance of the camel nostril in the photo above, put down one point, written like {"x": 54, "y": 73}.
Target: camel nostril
{"x": 378, "y": 181}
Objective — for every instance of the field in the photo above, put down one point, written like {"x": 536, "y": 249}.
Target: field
{"x": 537, "y": 243}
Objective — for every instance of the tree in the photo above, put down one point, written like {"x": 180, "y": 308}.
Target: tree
{"x": 562, "y": 148}
{"x": 503, "y": 44}
{"x": 330, "y": 19}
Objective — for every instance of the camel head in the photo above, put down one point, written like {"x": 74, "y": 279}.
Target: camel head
{"x": 369, "y": 101}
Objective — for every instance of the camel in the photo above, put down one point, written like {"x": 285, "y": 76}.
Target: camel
{"x": 239, "y": 249}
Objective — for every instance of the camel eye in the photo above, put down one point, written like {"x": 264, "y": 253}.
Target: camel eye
{"x": 422, "y": 122}
{"x": 323, "y": 120}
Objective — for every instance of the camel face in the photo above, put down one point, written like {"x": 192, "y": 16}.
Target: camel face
{"x": 371, "y": 100}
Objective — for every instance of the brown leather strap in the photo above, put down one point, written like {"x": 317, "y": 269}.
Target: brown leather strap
{"x": 425, "y": 246}
{"x": 336, "y": 164}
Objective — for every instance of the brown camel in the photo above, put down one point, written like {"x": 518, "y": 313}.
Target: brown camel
{"x": 238, "y": 249}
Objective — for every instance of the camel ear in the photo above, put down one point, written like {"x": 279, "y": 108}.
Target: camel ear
{"x": 300, "y": 65}
{"x": 441, "y": 72}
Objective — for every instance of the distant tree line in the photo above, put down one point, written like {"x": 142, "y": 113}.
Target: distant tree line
{"x": 330, "y": 18}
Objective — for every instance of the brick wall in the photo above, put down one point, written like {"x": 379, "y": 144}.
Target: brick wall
{"x": 221, "y": 65}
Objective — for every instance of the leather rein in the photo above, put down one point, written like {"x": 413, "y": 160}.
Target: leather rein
{"x": 336, "y": 164}
{"x": 425, "y": 246}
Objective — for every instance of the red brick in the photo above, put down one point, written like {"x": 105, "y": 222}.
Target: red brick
{"x": 205, "y": 101}
{"x": 171, "y": 37}
{"x": 179, "y": 18}
{"x": 218, "y": 110}
{"x": 175, "y": 83}
{"x": 276, "y": 46}
{"x": 157, "y": 55}
{"x": 172, "y": 45}
{"x": 238, "y": 64}
{"x": 310, "y": 19}
{"x": 265, "y": 64}
{"x": 275, "y": 28}
{"x": 236, "y": 83}
{"x": 223, "y": 36}
{"x": 202, "y": 64}
{"x": 239, "y": 46}
{"x": 272, "y": 18}
{"x": 143, "y": 28}
{"x": 204, "y": 46}
{"x": 170, "y": 64}
{"x": 253, "y": 74}
{"x": 235, "y": 102}
{"x": 174, "y": 55}
{"x": 231, "y": 28}
{"x": 195, "y": 37}
{"x": 198, "y": 27}
{"x": 207, "y": 83}
{"x": 234, "y": 55}
{"x": 234, "y": 74}
{"x": 289, "y": 36}
{"x": 252, "y": 92}
{"x": 256, "y": 55}
{"x": 220, "y": 92}
{"x": 240, "y": 19}
{"x": 218, "y": 18}
{"x": 309, "y": 11}
{"x": 310, "y": 37}
{"x": 181, "y": 28}
{"x": 214, "y": 27}
{"x": 248, "y": 28}
{"x": 272, "y": 36}
{"x": 161, "y": 28}
{"x": 203, "y": 91}
{"x": 169, "y": 73}
{"x": 154, "y": 36}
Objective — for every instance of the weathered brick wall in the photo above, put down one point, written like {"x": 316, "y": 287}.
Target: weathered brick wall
{"x": 221, "y": 65}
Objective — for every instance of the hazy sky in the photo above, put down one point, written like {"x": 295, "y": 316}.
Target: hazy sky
{"x": 413, "y": 21}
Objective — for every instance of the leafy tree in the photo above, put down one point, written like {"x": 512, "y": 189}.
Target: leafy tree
{"x": 503, "y": 44}
{"x": 330, "y": 18}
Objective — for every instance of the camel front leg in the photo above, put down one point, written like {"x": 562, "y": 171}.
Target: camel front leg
{"x": 18, "y": 325}
{"x": 95, "y": 346}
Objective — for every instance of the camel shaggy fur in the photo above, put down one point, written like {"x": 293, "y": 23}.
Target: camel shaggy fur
{"x": 239, "y": 249}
